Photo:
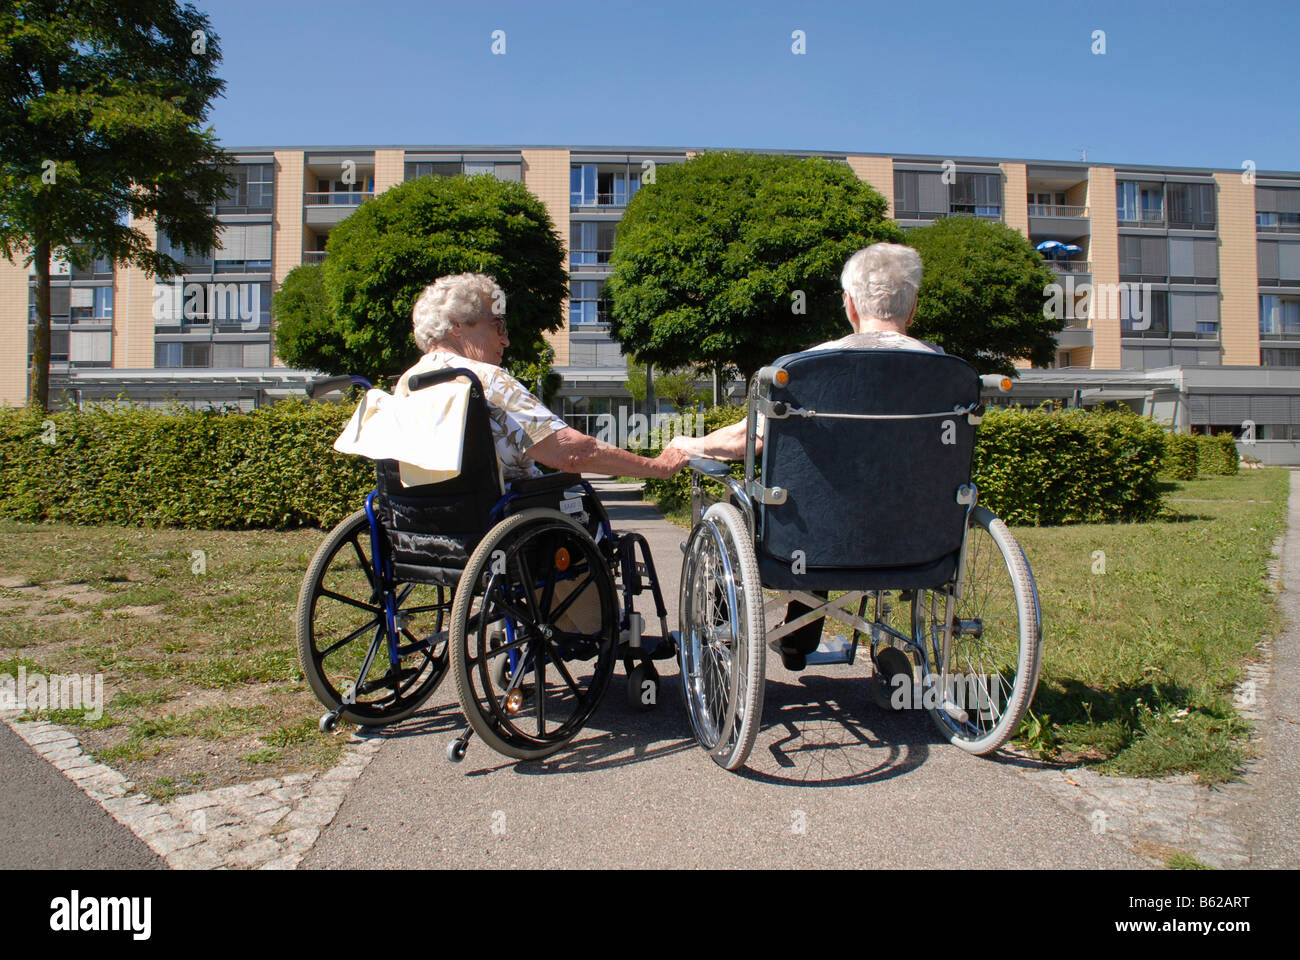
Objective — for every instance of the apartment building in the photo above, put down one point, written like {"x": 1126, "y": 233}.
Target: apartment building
{"x": 1181, "y": 286}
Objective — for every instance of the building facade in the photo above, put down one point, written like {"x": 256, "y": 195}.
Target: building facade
{"x": 1180, "y": 286}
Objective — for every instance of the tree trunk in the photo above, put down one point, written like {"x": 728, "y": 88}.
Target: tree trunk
{"x": 650, "y": 405}
{"x": 717, "y": 383}
{"x": 39, "y": 392}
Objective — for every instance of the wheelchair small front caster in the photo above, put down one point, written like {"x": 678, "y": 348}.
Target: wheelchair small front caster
{"x": 329, "y": 722}
{"x": 643, "y": 687}
{"x": 893, "y": 673}
{"x": 456, "y": 749}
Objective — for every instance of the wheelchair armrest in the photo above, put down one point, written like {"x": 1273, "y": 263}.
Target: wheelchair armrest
{"x": 710, "y": 468}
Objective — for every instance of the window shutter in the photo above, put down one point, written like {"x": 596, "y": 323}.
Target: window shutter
{"x": 257, "y": 242}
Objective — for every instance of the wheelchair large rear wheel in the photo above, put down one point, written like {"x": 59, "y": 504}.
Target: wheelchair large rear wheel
{"x": 534, "y": 631}
{"x": 341, "y": 624}
{"x": 997, "y": 641}
{"x": 722, "y": 633}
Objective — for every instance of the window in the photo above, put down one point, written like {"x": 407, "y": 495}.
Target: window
{"x": 586, "y": 302}
{"x": 591, "y": 243}
{"x": 1279, "y": 262}
{"x": 1144, "y": 258}
{"x": 603, "y": 185}
{"x": 1277, "y": 208}
{"x": 1140, "y": 202}
{"x": 977, "y": 194}
{"x": 200, "y": 262}
{"x": 1194, "y": 315}
{"x": 1193, "y": 260}
{"x": 1272, "y": 357}
{"x": 1191, "y": 206}
{"x": 244, "y": 248}
{"x": 253, "y": 190}
{"x": 183, "y": 354}
{"x": 1144, "y": 313}
{"x": 920, "y": 195}
{"x": 1279, "y": 317}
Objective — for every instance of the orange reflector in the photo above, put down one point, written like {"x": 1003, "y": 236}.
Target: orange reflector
{"x": 562, "y": 559}
{"x": 782, "y": 377}
{"x": 1006, "y": 384}
{"x": 514, "y": 700}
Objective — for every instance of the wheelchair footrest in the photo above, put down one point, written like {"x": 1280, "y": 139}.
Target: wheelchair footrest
{"x": 833, "y": 649}
{"x": 652, "y": 648}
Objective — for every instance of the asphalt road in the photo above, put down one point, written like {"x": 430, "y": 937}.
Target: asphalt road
{"x": 46, "y": 822}
{"x": 832, "y": 782}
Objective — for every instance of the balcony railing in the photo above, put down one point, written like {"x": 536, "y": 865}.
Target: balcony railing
{"x": 1278, "y": 227}
{"x": 1145, "y": 218}
{"x": 1071, "y": 266}
{"x": 313, "y": 256}
{"x": 1056, "y": 210}
{"x": 338, "y": 198}
{"x": 602, "y": 200}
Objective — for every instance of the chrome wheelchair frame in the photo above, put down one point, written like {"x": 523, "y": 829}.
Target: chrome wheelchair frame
{"x": 969, "y": 653}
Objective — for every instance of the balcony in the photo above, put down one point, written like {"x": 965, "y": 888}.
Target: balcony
{"x": 313, "y": 256}
{"x": 1056, "y": 210}
{"x": 1054, "y": 221}
{"x": 326, "y": 208}
{"x": 1072, "y": 267}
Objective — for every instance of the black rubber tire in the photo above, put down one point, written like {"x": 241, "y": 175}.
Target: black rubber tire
{"x": 485, "y": 711}
{"x": 347, "y": 546}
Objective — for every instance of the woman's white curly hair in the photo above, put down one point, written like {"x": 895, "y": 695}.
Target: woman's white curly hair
{"x": 461, "y": 298}
{"x": 883, "y": 279}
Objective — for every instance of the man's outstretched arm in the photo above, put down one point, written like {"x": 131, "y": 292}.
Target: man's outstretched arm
{"x": 725, "y": 443}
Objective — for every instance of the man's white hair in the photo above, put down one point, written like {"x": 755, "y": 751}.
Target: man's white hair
{"x": 462, "y": 298}
{"x": 883, "y": 279}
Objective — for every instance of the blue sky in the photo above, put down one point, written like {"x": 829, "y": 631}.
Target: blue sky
{"x": 1190, "y": 84}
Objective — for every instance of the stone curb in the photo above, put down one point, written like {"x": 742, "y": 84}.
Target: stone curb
{"x": 268, "y": 824}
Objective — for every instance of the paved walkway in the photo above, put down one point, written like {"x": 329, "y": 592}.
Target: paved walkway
{"x": 832, "y": 781}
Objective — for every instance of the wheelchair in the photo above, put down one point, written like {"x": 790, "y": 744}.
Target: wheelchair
{"x": 861, "y": 510}
{"x": 512, "y": 589}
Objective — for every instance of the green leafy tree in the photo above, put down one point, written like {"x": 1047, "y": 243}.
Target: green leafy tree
{"x": 382, "y": 257}
{"x": 100, "y": 112}
{"x": 735, "y": 258}
{"x": 303, "y": 327}
{"x": 982, "y": 295}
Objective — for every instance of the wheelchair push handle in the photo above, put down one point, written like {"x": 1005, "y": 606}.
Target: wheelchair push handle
{"x": 318, "y": 388}
{"x": 431, "y": 377}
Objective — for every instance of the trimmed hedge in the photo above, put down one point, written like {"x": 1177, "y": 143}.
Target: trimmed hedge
{"x": 274, "y": 468}
{"x": 1036, "y": 466}
{"x": 1217, "y": 455}
{"x": 1048, "y": 466}
{"x": 271, "y": 468}
{"x": 1180, "y": 456}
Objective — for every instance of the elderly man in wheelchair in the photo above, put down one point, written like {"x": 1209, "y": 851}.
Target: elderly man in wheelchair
{"x": 467, "y": 559}
{"x": 861, "y": 506}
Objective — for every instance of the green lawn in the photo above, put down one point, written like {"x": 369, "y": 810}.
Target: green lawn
{"x": 1140, "y": 661}
{"x": 204, "y": 688}
{"x": 200, "y": 668}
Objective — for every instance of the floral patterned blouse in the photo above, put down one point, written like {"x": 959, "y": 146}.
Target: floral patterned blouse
{"x": 518, "y": 419}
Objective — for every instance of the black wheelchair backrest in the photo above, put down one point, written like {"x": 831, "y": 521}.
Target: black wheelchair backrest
{"x": 458, "y": 508}
{"x": 868, "y": 494}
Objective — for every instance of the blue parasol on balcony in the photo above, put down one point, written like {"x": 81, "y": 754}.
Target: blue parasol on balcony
{"x": 1050, "y": 247}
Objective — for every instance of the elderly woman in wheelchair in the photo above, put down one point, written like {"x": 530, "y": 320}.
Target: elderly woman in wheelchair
{"x": 863, "y": 490}
{"x": 508, "y": 578}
